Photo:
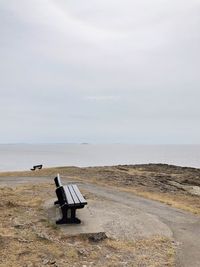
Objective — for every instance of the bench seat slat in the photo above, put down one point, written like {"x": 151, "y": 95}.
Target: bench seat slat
{"x": 73, "y": 194}
{"x": 70, "y": 200}
{"x": 78, "y": 194}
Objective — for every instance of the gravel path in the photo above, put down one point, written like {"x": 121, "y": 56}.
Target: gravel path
{"x": 184, "y": 226}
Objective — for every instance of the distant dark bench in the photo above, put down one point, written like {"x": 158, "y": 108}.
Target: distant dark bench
{"x": 36, "y": 167}
{"x": 69, "y": 199}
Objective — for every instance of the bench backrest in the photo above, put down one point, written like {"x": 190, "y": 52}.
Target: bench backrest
{"x": 57, "y": 180}
{"x": 61, "y": 195}
{"x": 71, "y": 195}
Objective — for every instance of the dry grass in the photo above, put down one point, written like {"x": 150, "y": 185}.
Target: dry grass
{"x": 144, "y": 248}
{"x": 42, "y": 173}
{"x": 181, "y": 201}
{"x": 27, "y": 239}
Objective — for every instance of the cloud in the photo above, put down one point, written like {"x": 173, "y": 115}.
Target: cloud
{"x": 84, "y": 67}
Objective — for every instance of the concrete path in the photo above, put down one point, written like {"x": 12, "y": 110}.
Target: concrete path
{"x": 184, "y": 226}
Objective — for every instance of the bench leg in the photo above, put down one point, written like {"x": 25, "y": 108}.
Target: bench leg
{"x": 56, "y": 202}
{"x": 73, "y": 216}
{"x": 67, "y": 220}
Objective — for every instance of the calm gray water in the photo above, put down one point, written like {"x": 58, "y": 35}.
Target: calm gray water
{"x": 24, "y": 156}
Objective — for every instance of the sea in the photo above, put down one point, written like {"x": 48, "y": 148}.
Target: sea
{"x": 14, "y": 157}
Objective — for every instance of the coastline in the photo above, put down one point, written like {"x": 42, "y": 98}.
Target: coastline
{"x": 22, "y": 157}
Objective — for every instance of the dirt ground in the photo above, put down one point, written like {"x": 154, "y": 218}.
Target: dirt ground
{"x": 29, "y": 239}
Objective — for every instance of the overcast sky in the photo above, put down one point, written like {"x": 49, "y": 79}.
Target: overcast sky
{"x": 100, "y": 71}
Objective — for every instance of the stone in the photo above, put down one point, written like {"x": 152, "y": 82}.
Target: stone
{"x": 96, "y": 237}
{"x": 82, "y": 252}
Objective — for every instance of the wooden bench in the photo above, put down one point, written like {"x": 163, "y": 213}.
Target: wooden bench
{"x": 36, "y": 167}
{"x": 69, "y": 199}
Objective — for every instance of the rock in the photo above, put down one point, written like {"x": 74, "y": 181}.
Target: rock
{"x": 18, "y": 225}
{"x": 82, "y": 252}
{"x": 49, "y": 261}
{"x": 45, "y": 261}
{"x": 96, "y": 237}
